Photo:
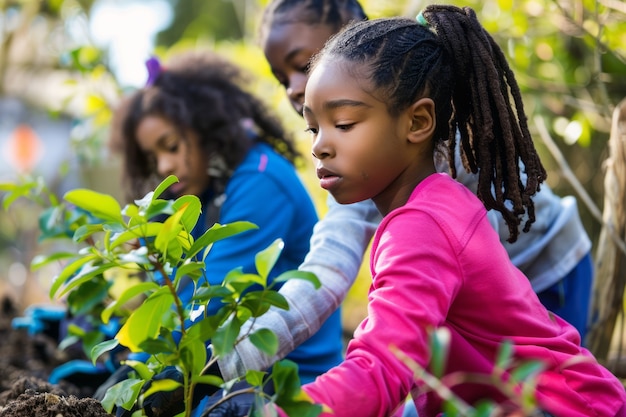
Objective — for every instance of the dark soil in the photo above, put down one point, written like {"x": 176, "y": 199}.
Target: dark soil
{"x": 25, "y": 364}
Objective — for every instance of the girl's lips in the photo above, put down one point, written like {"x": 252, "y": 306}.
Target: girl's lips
{"x": 329, "y": 182}
{"x": 328, "y": 179}
{"x": 177, "y": 188}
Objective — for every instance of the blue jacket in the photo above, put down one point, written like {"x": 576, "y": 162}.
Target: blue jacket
{"x": 265, "y": 189}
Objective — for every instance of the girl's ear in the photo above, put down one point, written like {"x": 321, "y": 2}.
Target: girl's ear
{"x": 422, "y": 120}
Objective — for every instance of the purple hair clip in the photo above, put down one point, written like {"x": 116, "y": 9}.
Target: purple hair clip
{"x": 154, "y": 70}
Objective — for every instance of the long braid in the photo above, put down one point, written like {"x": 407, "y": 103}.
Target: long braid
{"x": 504, "y": 138}
{"x": 454, "y": 61}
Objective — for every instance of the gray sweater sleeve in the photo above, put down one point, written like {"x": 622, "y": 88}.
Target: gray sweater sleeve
{"x": 337, "y": 246}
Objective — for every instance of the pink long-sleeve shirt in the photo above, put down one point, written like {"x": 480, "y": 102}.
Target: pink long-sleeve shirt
{"x": 437, "y": 262}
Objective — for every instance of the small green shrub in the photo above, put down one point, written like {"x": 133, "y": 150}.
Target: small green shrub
{"x": 148, "y": 247}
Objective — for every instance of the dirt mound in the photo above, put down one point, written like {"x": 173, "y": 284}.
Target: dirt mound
{"x": 25, "y": 364}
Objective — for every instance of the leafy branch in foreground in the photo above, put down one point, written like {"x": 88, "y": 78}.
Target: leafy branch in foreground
{"x": 151, "y": 241}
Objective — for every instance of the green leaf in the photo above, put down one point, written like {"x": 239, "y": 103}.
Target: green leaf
{"x": 42, "y": 260}
{"x": 161, "y": 385}
{"x": 144, "y": 230}
{"x": 101, "y": 348}
{"x": 289, "y": 395}
{"x": 505, "y": 355}
{"x": 10, "y": 199}
{"x": 164, "y": 185}
{"x": 127, "y": 295}
{"x": 213, "y": 380}
{"x": 84, "y": 275}
{"x": 265, "y": 340}
{"x": 439, "y": 347}
{"x": 527, "y": 370}
{"x": 302, "y": 409}
{"x": 99, "y": 205}
{"x": 192, "y": 212}
{"x": 218, "y": 232}
{"x": 241, "y": 278}
{"x": 255, "y": 378}
{"x": 266, "y": 259}
{"x": 90, "y": 340}
{"x": 86, "y": 230}
{"x": 123, "y": 394}
{"x": 157, "y": 346}
{"x": 159, "y": 207}
{"x": 484, "y": 408}
{"x": 286, "y": 381}
{"x": 193, "y": 353}
{"x": 202, "y": 329}
{"x": 193, "y": 270}
{"x": 174, "y": 251}
{"x": 296, "y": 274}
{"x": 67, "y": 342}
{"x": 225, "y": 336}
{"x": 204, "y": 294}
{"x": 69, "y": 270}
{"x": 258, "y": 302}
{"x": 53, "y": 223}
{"x": 144, "y": 323}
{"x": 169, "y": 231}
{"x": 8, "y": 186}
{"x": 88, "y": 297}
{"x": 130, "y": 210}
{"x": 276, "y": 299}
{"x": 141, "y": 368}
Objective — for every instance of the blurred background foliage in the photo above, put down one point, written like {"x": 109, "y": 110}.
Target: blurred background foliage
{"x": 569, "y": 57}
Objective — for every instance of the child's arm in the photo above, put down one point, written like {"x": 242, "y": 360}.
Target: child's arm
{"x": 337, "y": 247}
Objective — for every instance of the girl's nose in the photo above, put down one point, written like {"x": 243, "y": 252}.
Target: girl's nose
{"x": 165, "y": 166}
{"x": 321, "y": 148}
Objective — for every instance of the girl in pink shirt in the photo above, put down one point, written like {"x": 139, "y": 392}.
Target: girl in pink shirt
{"x": 382, "y": 97}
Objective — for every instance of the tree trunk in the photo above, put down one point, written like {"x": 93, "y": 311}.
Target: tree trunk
{"x": 608, "y": 293}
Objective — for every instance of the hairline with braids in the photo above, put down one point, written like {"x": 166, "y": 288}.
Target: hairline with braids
{"x": 335, "y": 13}
{"x": 407, "y": 60}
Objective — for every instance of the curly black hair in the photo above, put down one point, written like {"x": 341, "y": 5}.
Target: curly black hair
{"x": 203, "y": 93}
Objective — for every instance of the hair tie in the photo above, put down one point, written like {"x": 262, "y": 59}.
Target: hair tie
{"x": 421, "y": 20}
{"x": 154, "y": 70}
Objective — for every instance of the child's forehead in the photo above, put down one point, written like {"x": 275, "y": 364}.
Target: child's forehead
{"x": 334, "y": 66}
{"x": 336, "y": 75}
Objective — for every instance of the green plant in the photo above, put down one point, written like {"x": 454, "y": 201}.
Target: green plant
{"x": 152, "y": 239}
{"x": 515, "y": 381}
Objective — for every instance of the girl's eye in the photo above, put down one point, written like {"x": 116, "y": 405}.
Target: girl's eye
{"x": 281, "y": 79}
{"x": 346, "y": 126}
{"x": 172, "y": 146}
{"x": 283, "y": 82}
{"x": 311, "y": 130}
{"x": 305, "y": 69}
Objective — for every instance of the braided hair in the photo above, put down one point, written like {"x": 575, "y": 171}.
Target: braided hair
{"x": 450, "y": 58}
{"x": 199, "y": 92}
{"x": 335, "y": 13}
